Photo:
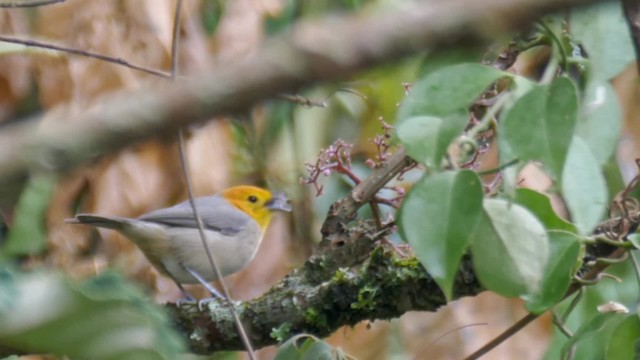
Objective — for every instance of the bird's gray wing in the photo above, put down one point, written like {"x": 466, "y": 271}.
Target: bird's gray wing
{"x": 215, "y": 212}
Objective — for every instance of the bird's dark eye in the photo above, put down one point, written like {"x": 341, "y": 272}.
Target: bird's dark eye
{"x": 252, "y": 199}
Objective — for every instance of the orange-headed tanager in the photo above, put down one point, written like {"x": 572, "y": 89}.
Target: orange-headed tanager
{"x": 234, "y": 224}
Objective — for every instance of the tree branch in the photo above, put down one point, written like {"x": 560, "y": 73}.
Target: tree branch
{"x": 309, "y": 53}
{"x": 384, "y": 286}
{"x": 363, "y": 280}
{"x": 344, "y": 210}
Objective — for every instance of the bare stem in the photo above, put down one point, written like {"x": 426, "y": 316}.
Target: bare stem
{"x": 184, "y": 162}
{"x": 73, "y": 51}
{"x": 503, "y": 337}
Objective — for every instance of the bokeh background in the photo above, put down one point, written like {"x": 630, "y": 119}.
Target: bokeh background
{"x": 267, "y": 146}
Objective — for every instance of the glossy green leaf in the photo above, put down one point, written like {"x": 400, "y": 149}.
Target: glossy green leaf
{"x": 625, "y": 340}
{"x": 540, "y": 124}
{"x": 583, "y": 187}
{"x": 591, "y": 328}
{"x": 27, "y": 233}
{"x": 438, "y": 218}
{"x": 448, "y": 90}
{"x": 564, "y": 248}
{"x": 427, "y": 138}
{"x": 540, "y": 205}
{"x": 103, "y": 319}
{"x": 601, "y": 120}
{"x": 603, "y": 31}
{"x": 510, "y": 249}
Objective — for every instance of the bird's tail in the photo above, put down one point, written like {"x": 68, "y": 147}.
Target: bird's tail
{"x": 109, "y": 222}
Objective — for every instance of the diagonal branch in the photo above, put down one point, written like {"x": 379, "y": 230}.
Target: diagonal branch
{"x": 309, "y": 53}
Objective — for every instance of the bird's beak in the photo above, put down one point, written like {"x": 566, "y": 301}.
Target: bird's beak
{"x": 278, "y": 201}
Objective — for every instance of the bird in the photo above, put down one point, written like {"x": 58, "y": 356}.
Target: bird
{"x": 234, "y": 223}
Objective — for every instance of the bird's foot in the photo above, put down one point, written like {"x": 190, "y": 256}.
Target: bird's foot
{"x": 205, "y": 301}
{"x": 186, "y": 300}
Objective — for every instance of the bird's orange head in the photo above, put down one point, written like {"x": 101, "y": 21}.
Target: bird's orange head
{"x": 257, "y": 202}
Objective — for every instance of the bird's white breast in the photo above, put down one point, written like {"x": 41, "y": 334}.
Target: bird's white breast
{"x": 231, "y": 252}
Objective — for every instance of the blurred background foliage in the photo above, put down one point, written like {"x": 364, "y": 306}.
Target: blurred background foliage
{"x": 267, "y": 146}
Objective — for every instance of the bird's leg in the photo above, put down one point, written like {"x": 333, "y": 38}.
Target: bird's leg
{"x": 214, "y": 293}
{"x": 188, "y": 298}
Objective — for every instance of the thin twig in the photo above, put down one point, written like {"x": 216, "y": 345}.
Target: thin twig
{"x": 27, "y": 3}
{"x": 214, "y": 265}
{"x": 560, "y": 325}
{"x": 503, "y": 337}
{"x": 442, "y": 336}
{"x": 572, "y": 305}
{"x": 73, "y": 51}
{"x": 345, "y": 209}
{"x": 184, "y": 163}
{"x": 591, "y": 274}
{"x": 175, "y": 40}
{"x": 490, "y": 115}
{"x": 499, "y": 168}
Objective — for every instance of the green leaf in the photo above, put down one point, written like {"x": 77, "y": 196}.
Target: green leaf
{"x": 601, "y": 120}
{"x": 301, "y": 347}
{"x": 540, "y": 124}
{"x": 634, "y": 239}
{"x": 591, "y": 328}
{"x": 583, "y": 187}
{"x": 602, "y": 30}
{"x": 625, "y": 339}
{"x": 540, "y": 205}
{"x": 288, "y": 350}
{"x": 319, "y": 350}
{"x": 436, "y": 110}
{"x": 420, "y": 135}
{"x": 448, "y": 90}
{"x": 564, "y": 248}
{"x": 103, "y": 319}
{"x": 443, "y": 57}
{"x": 27, "y": 234}
{"x": 427, "y": 138}
{"x": 510, "y": 249}
{"x": 8, "y": 289}
{"x": 438, "y": 218}
{"x": 592, "y": 296}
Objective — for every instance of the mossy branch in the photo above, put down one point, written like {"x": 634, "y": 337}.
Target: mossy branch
{"x": 384, "y": 286}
